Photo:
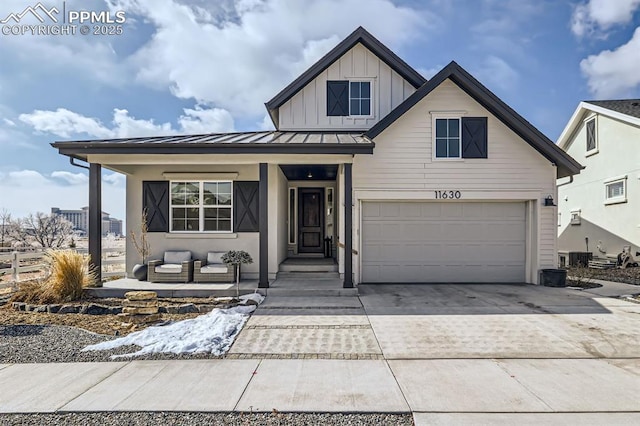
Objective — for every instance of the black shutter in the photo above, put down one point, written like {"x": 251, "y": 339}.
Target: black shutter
{"x": 474, "y": 137}
{"x": 337, "y": 98}
{"x": 155, "y": 200}
{"x": 245, "y": 206}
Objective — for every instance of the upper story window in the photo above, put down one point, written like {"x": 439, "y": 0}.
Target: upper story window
{"x": 448, "y": 138}
{"x": 592, "y": 140}
{"x": 360, "y": 98}
{"x": 458, "y": 137}
{"x": 615, "y": 191}
{"x": 347, "y": 98}
{"x": 199, "y": 206}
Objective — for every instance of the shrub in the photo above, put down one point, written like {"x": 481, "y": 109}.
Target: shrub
{"x": 69, "y": 274}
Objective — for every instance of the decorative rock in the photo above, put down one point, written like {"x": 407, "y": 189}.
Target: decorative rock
{"x": 53, "y": 309}
{"x": 140, "y": 311}
{"x": 95, "y": 309}
{"x": 172, "y": 309}
{"x": 140, "y": 303}
{"x": 141, "y": 295}
{"x": 69, "y": 309}
{"x": 40, "y": 309}
{"x": 188, "y": 308}
{"x": 29, "y": 308}
{"x": 18, "y": 306}
{"x": 140, "y": 319}
{"x": 163, "y": 310}
{"x": 115, "y": 310}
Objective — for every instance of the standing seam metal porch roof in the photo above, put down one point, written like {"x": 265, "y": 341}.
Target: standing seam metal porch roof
{"x": 266, "y": 142}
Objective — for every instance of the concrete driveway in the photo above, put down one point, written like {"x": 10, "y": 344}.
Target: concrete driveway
{"x": 499, "y": 321}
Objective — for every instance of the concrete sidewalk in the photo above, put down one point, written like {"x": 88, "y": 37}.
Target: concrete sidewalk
{"x": 443, "y": 389}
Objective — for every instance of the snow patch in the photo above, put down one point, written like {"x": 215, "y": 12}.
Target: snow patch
{"x": 211, "y": 333}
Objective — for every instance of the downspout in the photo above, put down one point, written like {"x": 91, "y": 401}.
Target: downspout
{"x": 557, "y": 186}
{"x": 80, "y": 165}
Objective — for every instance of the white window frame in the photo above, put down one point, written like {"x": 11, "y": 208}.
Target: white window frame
{"x": 575, "y": 217}
{"x": 595, "y": 135}
{"x": 620, "y": 198}
{"x": 201, "y": 206}
{"x": 371, "y": 82}
{"x": 446, "y": 115}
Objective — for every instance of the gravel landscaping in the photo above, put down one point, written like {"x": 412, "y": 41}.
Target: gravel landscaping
{"x": 55, "y": 343}
{"x": 145, "y": 418}
{"x": 627, "y": 275}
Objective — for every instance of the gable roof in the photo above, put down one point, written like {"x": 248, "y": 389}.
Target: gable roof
{"x": 360, "y": 35}
{"x": 626, "y": 110}
{"x": 629, "y": 107}
{"x": 566, "y": 166}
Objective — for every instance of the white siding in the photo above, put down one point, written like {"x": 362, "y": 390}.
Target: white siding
{"x": 402, "y": 167}
{"x": 198, "y": 243}
{"x": 607, "y": 226}
{"x": 307, "y": 110}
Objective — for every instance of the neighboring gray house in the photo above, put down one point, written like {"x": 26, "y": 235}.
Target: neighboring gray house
{"x": 603, "y": 202}
{"x": 412, "y": 180}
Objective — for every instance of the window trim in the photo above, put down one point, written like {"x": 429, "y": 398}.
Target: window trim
{"x": 620, "y": 198}
{"x": 200, "y": 207}
{"x": 446, "y": 115}
{"x": 595, "y": 150}
{"x": 575, "y": 220}
{"x": 371, "y": 82}
{"x": 292, "y": 212}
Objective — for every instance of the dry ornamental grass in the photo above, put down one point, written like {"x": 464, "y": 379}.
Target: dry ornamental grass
{"x": 69, "y": 273}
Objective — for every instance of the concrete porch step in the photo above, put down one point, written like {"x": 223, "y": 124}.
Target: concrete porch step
{"x": 308, "y": 292}
{"x": 298, "y": 275}
{"x": 310, "y": 267}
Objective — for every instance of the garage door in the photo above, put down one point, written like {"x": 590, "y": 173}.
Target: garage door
{"x": 443, "y": 242}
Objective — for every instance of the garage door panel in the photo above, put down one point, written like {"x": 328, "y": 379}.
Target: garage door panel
{"x": 443, "y": 242}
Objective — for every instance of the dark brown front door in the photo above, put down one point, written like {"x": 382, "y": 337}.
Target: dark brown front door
{"x": 311, "y": 220}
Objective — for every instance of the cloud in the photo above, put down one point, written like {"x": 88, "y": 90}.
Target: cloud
{"x": 65, "y": 123}
{"x": 496, "y": 72}
{"x": 70, "y": 178}
{"x": 596, "y": 16}
{"x": 614, "y": 73}
{"x": 9, "y": 122}
{"x": 249, "y": 50}
{"x": 60, "y": 189}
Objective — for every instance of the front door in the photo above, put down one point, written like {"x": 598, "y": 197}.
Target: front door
{"x": 310, "y": 220}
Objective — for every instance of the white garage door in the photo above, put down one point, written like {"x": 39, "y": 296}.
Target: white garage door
{"x": 443, "y": 242}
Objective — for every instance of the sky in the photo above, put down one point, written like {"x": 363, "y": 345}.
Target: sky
{"x": 198, "y": 66}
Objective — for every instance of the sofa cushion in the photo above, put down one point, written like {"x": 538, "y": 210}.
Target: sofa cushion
{"x": 215, "y": 257}
{"x": 177, "y": 256}
{"x": 169, "y": 268}
{"x": 214, "y": 269}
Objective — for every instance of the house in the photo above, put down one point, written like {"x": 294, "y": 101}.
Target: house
{"x": 409, "y": 180}
{"x": 598, "y": 210}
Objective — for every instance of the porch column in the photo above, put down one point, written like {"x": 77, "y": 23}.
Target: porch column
{"x": 263, "y": 225}
{"x": 348, "y": 228}
{"x": 95, "y": 218}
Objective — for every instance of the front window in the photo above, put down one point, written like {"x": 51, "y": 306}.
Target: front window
{"x": 447, "y": 138}
{"x": 360, "y": 98}
{"x": 615, "y": 191}
{"x": 201, "y": 206}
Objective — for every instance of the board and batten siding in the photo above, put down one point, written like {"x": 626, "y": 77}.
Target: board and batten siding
{"x": 402, "y": 167}
{"x": 307, "y": 110}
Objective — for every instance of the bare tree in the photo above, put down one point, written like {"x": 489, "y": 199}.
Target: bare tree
{"x": 5, "y": 221}
{"x": 47, "y": 231}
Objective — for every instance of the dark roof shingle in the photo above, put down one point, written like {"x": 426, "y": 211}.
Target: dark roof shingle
{"x": 629, "y": 107}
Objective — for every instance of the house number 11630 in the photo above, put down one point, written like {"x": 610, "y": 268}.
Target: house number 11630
{"x": 446, "y": 195}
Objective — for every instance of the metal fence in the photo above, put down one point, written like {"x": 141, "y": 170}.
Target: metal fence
{"x": 19, "y": 262}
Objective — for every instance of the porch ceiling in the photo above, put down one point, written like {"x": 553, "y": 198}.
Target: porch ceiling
{"x": 310, "y": 171}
